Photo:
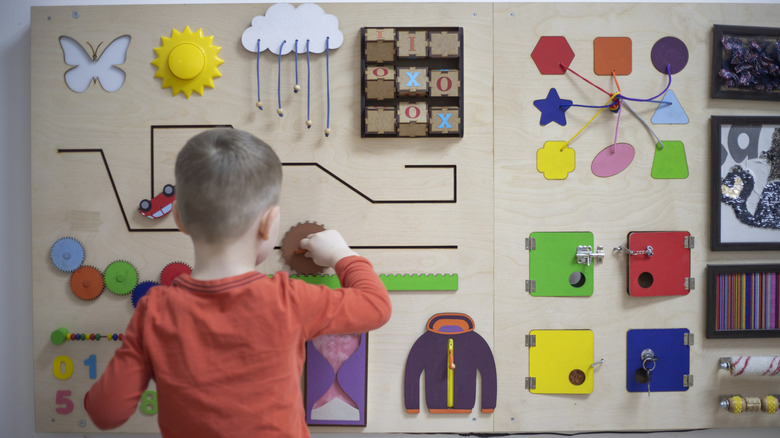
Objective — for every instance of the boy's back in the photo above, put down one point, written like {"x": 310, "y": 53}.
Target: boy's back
{"x": 225, "y": 345}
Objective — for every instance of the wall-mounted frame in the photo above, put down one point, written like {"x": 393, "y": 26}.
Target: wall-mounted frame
{"x": 734, "y": 76}
{"x": 743, "y": 301}
{"x": 745, "y": 183}
{"x": 336, "y": 380}
{"x": 411, "y": 82}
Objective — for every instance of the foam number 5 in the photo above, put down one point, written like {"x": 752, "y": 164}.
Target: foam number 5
{"x": 62, "y": 399}
{"x": 95, "y": 68}
{"x": 62, "y": 367}
{"x": 148, "y": 404}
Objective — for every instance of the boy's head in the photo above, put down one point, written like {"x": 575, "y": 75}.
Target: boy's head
{"x": 225, "y": 179}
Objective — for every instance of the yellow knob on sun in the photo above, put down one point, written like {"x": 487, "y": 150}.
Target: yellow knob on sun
{"x": 187, "y": 62}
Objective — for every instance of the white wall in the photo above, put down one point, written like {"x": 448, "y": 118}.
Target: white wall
{"x": 16, "y": 376}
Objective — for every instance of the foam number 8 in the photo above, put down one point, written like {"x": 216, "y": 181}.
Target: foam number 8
{"x": 57, "y": 367}
{"x": 148, "y": 402}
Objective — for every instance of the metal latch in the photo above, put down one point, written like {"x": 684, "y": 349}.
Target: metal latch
{"x": 586, "y": 255}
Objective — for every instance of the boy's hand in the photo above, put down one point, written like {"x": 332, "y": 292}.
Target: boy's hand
{"x": 326, "y": 248}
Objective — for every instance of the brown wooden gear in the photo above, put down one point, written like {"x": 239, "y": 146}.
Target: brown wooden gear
{"x": 291, "y": 251}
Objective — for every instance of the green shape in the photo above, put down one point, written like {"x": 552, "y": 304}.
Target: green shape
{"x": 120, "y": 277}
{"x": 670, "y": 162}
{"x": 393, "y": 282}
{"x": 420, "y": 282}
{"x": 553, "y": 265}
{"x": 59, "y": 336}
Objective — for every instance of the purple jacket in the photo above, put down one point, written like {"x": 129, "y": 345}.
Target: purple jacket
{"x": 433, "y": 353}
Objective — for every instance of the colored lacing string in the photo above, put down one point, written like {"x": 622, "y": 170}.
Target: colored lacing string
{"x": 327, "y": 82}
{"x": 610, "y": 102}
{"x": 296, "y": 87}
{"x": 257, "y": 67}
{"x": 308, "y": 88}
{"x": 280, "y": 111}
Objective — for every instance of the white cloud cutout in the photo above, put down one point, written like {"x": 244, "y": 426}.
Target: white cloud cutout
{"x": 283, "y": 22}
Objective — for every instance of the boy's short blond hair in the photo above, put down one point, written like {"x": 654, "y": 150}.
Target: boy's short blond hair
{"x": 225, "y": 178}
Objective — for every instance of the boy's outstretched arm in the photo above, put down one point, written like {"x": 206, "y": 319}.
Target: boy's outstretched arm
{"x": 361, "y": 304}
{"x": 113, "y": 399}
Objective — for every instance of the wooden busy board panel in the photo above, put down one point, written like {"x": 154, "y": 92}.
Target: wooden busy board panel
{"x": 459, "y": 202}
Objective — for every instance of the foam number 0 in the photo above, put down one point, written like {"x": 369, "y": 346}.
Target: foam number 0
{"x": 62, "y": 399}
{"x": 61, "y": 362}
{"x": 148, "y": 404}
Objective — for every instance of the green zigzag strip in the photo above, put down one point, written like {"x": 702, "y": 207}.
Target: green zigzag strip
{"x": 395, "y": 282}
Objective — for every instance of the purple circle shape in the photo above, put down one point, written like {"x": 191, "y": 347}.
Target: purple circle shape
{"x": 669, "y": 51}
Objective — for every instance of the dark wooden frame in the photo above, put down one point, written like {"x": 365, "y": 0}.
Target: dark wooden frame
{"x": 713, "y": 271}
{"x": 717, "y": 90}
{"x": 716, "y": 122}
{"x": 433, "y": 63}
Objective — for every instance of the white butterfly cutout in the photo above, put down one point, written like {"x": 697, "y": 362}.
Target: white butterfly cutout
{"x": 95, "y": 68}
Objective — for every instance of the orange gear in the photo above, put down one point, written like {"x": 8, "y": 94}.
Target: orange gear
{"x": 293, "y": 255}
{"x": 87, "y": 283}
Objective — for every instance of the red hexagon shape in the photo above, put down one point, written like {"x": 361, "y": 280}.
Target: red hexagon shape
{"x": 550, "y": 53}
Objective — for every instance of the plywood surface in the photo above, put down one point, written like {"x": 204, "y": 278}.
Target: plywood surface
{"x": 501, "y": 197}
{"x": 610, "y": 208}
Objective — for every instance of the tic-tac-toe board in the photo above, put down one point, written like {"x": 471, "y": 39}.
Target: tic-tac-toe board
{"x": 117, "y": 90}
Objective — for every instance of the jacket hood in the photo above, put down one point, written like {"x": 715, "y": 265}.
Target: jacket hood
{"x": 450, "y": 323}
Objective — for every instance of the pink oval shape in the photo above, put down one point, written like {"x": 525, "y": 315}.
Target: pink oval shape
{"x": 612, "y": 160}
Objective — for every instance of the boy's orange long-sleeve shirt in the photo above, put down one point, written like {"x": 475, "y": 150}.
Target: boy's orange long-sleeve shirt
{"x": 227, "y": 355}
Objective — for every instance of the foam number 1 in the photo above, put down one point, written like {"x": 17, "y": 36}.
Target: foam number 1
{"x": 91, "y": 362}
{"x": 148, "y": 404}
{"x": 62, "y": 367}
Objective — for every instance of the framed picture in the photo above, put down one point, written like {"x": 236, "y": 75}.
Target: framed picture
{"x": 745, "y": 64}
{"x": 336, "y": 380}
{"x": 743, "y": 301}
{"x": 745, "y": 183}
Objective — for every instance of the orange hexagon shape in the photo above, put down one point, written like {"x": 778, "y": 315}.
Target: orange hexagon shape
{"x": 551, "y": 54}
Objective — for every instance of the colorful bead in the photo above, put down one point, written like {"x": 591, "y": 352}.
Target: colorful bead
{"x": 91, "y": 336}
{"x": 97, "y": 336}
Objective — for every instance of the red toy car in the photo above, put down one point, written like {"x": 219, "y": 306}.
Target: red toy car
{"x": 160, "y": 205}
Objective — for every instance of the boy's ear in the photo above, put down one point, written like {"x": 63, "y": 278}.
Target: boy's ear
{"x": 267, "y": 222}
{"x": 177, "y": 219}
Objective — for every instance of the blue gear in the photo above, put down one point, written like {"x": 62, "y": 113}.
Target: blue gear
{"x": 67, "y": 254}
{"x": 140, "y": 290}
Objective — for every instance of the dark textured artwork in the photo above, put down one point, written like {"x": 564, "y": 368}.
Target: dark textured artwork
{"x": 739, "y": 184}
{"x": 750, "y": 63}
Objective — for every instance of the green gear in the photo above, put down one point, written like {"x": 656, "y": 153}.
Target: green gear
{"x": 120, "y": 277}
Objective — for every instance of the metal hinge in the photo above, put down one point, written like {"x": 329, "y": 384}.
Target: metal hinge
{"x": 530, "y": 286}
{"x": 688, "y": 380}
{"x": 530, "y": 340}
{"x": 530, "y": 383}
{"x": 688, "y": 339}
{"x": 530, "y": 243}
{"x": 688, "y": 242}
{"x": 690, "y": 283}
{"x": 585, "y": 254}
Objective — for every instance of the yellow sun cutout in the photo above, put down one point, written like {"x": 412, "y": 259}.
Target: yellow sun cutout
{"x": 187, "y": 62}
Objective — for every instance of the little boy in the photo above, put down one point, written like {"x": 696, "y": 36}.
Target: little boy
{"x": 225, "y": 344}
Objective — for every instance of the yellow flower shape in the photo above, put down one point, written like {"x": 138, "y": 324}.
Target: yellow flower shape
{"x": 555, "y": 160}
{"x": 187, "y": 62}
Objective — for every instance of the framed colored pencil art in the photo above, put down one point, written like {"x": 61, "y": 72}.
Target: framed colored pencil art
{"x": 743, "y": 301}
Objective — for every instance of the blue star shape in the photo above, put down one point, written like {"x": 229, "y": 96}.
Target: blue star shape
{"x": 553, "y": 108}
